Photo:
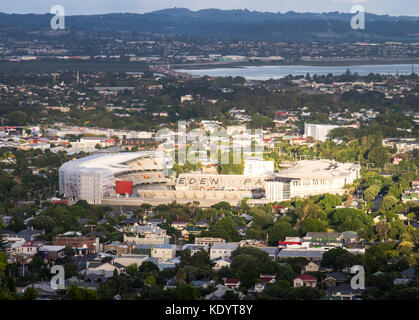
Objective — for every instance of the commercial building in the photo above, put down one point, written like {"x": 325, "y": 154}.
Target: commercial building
{"x": 320, "y": 131}
{"x": 81, "y": 245}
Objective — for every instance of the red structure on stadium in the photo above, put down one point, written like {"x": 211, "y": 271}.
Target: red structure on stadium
{"x": 124, "y": 187}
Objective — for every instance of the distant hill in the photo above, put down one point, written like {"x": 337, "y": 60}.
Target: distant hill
{"x": 234, "y": 24}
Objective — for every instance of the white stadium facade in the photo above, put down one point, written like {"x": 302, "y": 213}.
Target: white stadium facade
{"x": 94, "y": 177}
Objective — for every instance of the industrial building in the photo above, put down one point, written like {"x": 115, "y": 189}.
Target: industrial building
{"x": 109, "y": 174}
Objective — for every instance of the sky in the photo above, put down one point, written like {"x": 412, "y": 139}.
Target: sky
{"x": 73, "y": 7}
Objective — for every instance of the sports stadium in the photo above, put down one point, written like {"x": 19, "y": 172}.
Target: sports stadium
{"x": 132, "y": 178}
{"x": 112, "y": 174}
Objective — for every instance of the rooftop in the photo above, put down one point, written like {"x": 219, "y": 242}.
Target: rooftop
{"x": 115, "y": 162}
{"x": 310, "y": 169}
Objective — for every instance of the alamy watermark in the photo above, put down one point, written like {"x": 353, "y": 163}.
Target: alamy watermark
{"x": 358, "y": 280}
{"x": 58, "y": 20}
{"x": 197, "y": 145}
{"x": 58, "y": 280}
{"x": 358, "y": 20}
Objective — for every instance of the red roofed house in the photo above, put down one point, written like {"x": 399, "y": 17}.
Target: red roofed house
{"x": 232, "y": 283}
{"x": 277, "y": 208}
{"x": 268, "y": 278}
{"x": 305, "y": 280}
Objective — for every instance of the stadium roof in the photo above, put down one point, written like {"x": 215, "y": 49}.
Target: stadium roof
{"x": 111, "y": 162}
{"x": 315, "y": 169}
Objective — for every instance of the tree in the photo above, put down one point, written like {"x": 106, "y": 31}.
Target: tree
{"x": 260, "y": 255}
{"x": 36, "y": 264}
{"x": 29, "y": 294}
{"x": 304, "y": 293}
{"x": 105, "y": 292}
{"x": 307, "y": 209}
{"x": 181, "y": 275}
{"x": 382, "y": 229}
{"x": 261, "y": 122}
{"x": 3, "y": 263}
{"x": 43, "y": 222}
{"x": 371, "y": 192}
{"x": 147, "y": 267}
{"x": 18, "y": 118}
{"x": 76, "y": 293}
{"x": 150, "y": 280}
{"x": 186, "y": 292}
{"x": 379, "y": 156}
{"x": 279, "y": 231}
{"x": 313, "y": 225}
{"x": 132, "y": 269}
{"x": 336, "y": 258}
{"x": 70, "y": 269}
{"x": 329, "y": 201}
{"x": 3, "y": 242}
{"x": 230, "y": 295}
{"x": 388, "y": 203}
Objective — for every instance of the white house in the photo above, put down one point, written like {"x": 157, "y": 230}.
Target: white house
{"x": 221, "y": 262}
{"x": 105, "y": 270}
{"x": 222, "y": 250}
{"x": 163, "y": 252}
{"x": 305, "y": 280}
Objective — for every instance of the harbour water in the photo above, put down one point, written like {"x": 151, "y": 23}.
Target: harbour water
{"x": 277, "y": 72}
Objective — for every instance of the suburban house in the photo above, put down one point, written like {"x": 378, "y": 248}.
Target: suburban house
{"x": 232, "y": 283}
{"x": 311, "y": 267}
{"x": 202, "y": 224}
{"x": 344, "y": 292}
{"x": 258, "y": 288}
{"x": 163, "y": 252}
{"x": 268, "y": 278}
{"x": 335, "y": 278}
{"x": 305, "y": 280}
{"x": 202, "y": 283}
{"x": 105, "y": 270}
{"x": 220, "y": 292}
{"x": 130, "y": 259}
{"x": 222, "y": 250}
{"x": 52, "y": 253}
{"x": 154, "y": 221}
{"x": 29, "y": 248}
{"x": 179, "y": 225}
{"x": 194, "y": 248}
{"x": 221, "y": 262}
{"x": 208, "y": 241}
{"x": 408, "y": 273}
